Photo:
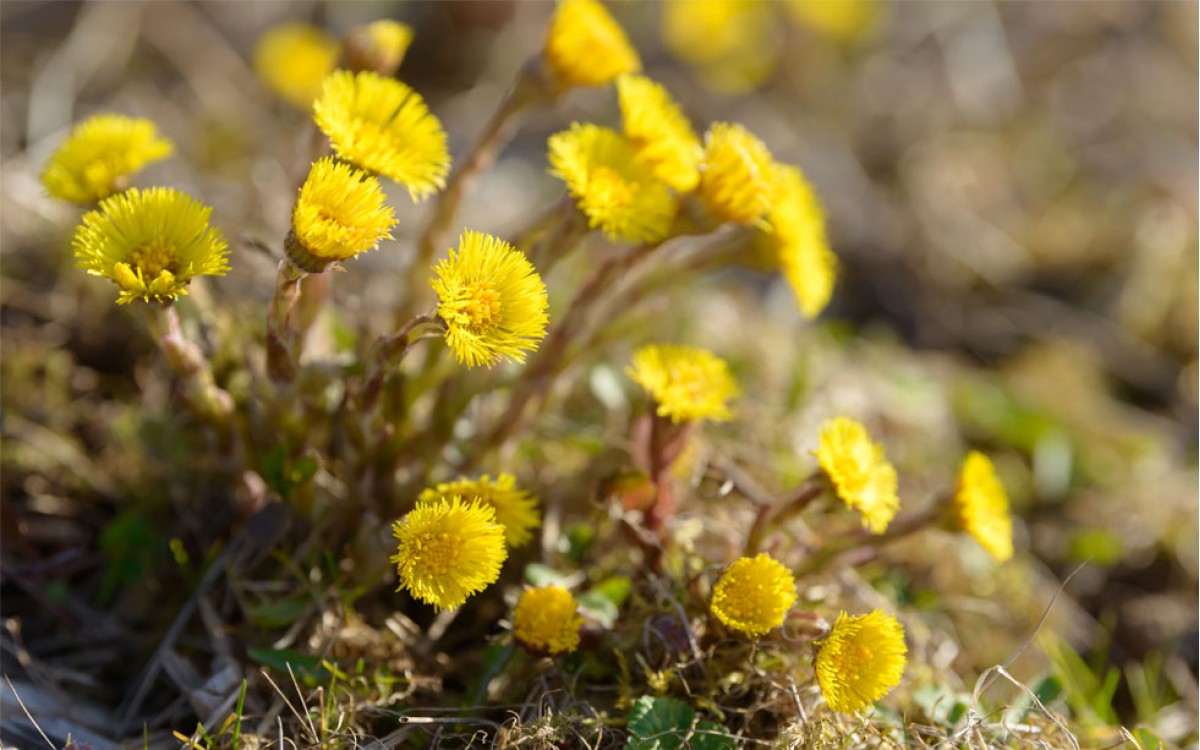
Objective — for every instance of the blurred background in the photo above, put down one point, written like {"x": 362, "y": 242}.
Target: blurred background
{"x": 1011, "y": 190}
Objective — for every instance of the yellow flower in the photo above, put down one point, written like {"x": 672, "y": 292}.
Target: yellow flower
{"x": 340, "y": 213}
{"x": 448, "y": 550}
{"x": 617, "y": 193}
{"x": 383, "y": 126}
{"x": 99, "y": 154}
{"x": 379, "y": 46}
{"x": 515, "y": 509}
{"x": 151, "y": 243}
{"x": 754, "y": 595}
{"x": 737, "y": 178}
{"x": 842, "y": 20}
{"x": 586, "y": 47}
{"x": 981, "y": 508}
{"x": 860, "y": 660}
{"x": 798, "y": 238}
{"x": 292, "y": 59}
{"x": 734, "y": 44}
{"x": 492, "y": 301}
{"x": 664, "y": 138}
{"x": 686, "y": 382}
{"x": 545, "y": 620}
{"x": 860, "y": 473}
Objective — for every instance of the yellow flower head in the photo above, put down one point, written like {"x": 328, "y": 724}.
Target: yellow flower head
{"x": 99, "y": 154}
{"x": 981, "y": 508}
{"x": 861, "y": 659}
{"x": 619, "y": 194}
{"x": 292, "y": 59}
{"x": 492, "y": 301}
{"x": 660, "y": 132}
{"x": 687, "y": 383}
{"x": 545, "y": 620}
{"x": 735, "y": 44}
{"x": 798, "y": 238}
{"x": 379, "y": 46}
{"x": 860, "y": 473}
{"x": 151, "y": 243}
{"x": 754, "y": 595}
{"x": 381, "y": 125}
{"x": 340, "y": 213}
{"x": 737, "y": 177}
{"x": 586, "y": 47}
{"x": 843, "y": 20}
{"x": 448, "y": 550}
{"x": 515, "y": 509}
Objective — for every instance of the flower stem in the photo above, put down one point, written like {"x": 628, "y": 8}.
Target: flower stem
{"x": 282, "y": 335}
{"x": 200, "y": 391}
{"x": 770, "y": 517}
{"x": 389, "y": 351}
{"x": 899, "y": 529}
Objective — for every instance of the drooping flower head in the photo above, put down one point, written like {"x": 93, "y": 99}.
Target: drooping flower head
{"x": 586, "y": 47}
{"x": 860, "y": 660}
{"x": 516, "y": 510}
{"x": 660, "y": 132}
{"x": 379, "y": 46}
{"x": 861, "y": 474}
{"x": 381, "y": 125}
{"x": 151, "y": 243}
{"x": 99, "y": 155}
{"x": 292, "y": 59}
{"x": 448, "y": 550}
{"x": 980, "y": 506}
{"x": 686, "y": 382}
{"x": 545, "y": 620}
{"x": 798, "y": 239}
{"x": 736, "y": 175}
{"x": 618, "y": 194}
{"x": 754, "y": 595}
{"x": 340, "y": 213}
{"x": 492, "y": 300}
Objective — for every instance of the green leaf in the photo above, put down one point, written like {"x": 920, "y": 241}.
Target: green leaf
{"x": 1048, "y": 689}
{"x": 579, "y": 537}
{"x": 600, "y": 607}
{"x": 306, "y": 668}
{"x": 1147, "y": 739}
{"x": 272, "y": 470}
{"x": 615, "y": 589}
{"x": 280, "y": 613}
{"x": 303, "y": 470}
{"x": 666, "y": 724}
{"x": 544, "y": 575}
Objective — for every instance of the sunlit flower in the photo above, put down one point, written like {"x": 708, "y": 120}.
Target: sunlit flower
{"x": 448, "y": 550}
{"x": 492, "y": 301}
{"x": 798, "y": 238}
{"x": 293, "y": 58}
{"x": 99, "y": 155}
{"x": 516, "y": 510}
{"x": 686, "y": 382}
{"x": 737, "y": 178}
{"x": 586, "y": 47}
{"x": 754, "y": 595}
{"x": 151, "y": 243}
{"x": 618, "y": 194}
{"x": 861, "y": 474}
{"x": 842, "y": 20}
{"x": 340, "y": 213}
{"x": 734, "y": 44}
{"x": 980, "y": 506}
{"x": 545, "y": 620}
{"x": 860, "y": 660}
{"x": 660, "y": 132}
{"x": 383, "y": 126}
{"x": 379, "y": 46}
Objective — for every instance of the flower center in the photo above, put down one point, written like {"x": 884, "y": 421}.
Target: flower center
{"x": 477, "y": 304}
{"x": 610, "y": 187}
{"x": 154, "y": 257}
{"x": 439, "y": 552}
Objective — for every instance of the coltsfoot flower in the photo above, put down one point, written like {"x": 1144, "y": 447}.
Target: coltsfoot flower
{"x": 492, "y": 301}
{"x": 618, "y": 194}
{"x": 586, "y": 47}
{"x": 448, "y": 550}
{"x": 737, "y": 176}
{"x": 754, "y": 595}
{"x": 861, "y": 474}
{"x": 292, "y": 59}
{"x": 379, "y": 46}
{"x": 686, "y": 382}
{"x": 734, "y": 44}
{"x": 545, "y": 620}
{"x": 516, "y": 510}
{"x": 151, "y": 243}
{"x": 980, "y": 506}
{"x": 383, "y": 126}
{"x": 660, "y": 132}
{"x": 860, "y": 660}
{"x": 340, "y": 213}
{"x": 798, "y": 238}
{"x": 99, "y": 155}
